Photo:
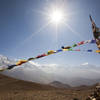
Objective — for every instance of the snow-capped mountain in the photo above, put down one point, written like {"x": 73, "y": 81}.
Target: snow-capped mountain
{"x": 28, "y": 71}
{"x": 4, "y": 60}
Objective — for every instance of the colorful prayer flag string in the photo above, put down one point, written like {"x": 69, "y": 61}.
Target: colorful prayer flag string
{"x": 50, "y": 52}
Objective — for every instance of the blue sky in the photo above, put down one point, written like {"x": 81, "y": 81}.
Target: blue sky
{"x": 20, "y": 19}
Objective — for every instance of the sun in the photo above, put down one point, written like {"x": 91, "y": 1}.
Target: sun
{"x": 56, "y": 16}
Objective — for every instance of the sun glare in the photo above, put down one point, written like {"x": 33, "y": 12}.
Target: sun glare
{"x": 56, "y": 16}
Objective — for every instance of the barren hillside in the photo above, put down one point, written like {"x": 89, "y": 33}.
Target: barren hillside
{"x": 13, "y": 89}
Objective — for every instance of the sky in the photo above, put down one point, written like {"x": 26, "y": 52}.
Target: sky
{"x": 26, "y": 32}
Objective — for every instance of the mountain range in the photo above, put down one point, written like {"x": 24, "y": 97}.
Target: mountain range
{"x": 84, "y": 74}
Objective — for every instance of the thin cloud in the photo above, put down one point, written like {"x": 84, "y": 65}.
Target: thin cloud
{"x": 86, "y": 63}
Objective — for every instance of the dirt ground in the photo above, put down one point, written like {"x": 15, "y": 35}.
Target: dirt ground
{"x": 12, "y": 89}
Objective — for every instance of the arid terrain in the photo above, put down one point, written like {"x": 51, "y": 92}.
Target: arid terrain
{"x": 13, "y": 89}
